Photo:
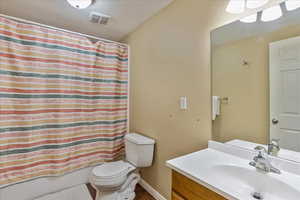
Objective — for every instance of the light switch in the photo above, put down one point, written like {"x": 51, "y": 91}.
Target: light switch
{"x": 183, "y": 103}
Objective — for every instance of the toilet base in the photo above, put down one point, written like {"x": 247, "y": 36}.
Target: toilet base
{"x": 126, "y": 192}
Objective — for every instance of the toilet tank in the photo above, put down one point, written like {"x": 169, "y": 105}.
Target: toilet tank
{"x": 139, "y": 150}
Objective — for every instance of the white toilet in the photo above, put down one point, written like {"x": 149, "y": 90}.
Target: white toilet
{"x": 117, "y": 180}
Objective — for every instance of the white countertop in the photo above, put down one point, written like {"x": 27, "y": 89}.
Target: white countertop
{"x": 232, "y": 177}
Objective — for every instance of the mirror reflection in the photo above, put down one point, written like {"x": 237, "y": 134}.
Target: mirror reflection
{"x": 256, "y": 82}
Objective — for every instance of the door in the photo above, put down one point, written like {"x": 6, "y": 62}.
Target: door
{"x": 285, "y": 92}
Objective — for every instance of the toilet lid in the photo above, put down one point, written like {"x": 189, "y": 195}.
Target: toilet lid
{"x": 113, "y": 169}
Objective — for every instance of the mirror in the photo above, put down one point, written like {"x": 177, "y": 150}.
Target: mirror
{"x": 256, "y": 83}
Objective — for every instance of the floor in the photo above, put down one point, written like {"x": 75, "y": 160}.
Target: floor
{"x": 141, "y": 194}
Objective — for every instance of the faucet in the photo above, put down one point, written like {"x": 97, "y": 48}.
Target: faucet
{"x": 262, "y": 162}
{"x": 273, "y": 147}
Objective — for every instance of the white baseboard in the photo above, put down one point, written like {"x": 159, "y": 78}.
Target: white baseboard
{"x": 151, "y": 190}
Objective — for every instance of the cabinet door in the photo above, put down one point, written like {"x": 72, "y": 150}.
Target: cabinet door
{"x": 189, "y": 196}
{"x": 190, "y": 190}
{"x": 176, "y": 196}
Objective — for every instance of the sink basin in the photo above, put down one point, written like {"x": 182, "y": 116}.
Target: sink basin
{"x": 225, "y": 170}
{"x": 250, "y": 181}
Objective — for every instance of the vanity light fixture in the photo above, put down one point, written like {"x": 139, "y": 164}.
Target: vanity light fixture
{"x": 239, "y": 6}
{"x": 249, "y": 19}
{"x": 271, "y": 14}
{"x": 292, "y": 4}
{"x": 80, "y": 4}
{"x": 256, "y": 3}
{"x": 236, "y": 6}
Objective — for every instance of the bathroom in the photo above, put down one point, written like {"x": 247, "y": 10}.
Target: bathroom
{"x": 149, "y": 100}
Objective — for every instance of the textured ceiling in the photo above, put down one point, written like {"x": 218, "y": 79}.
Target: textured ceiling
{"x": 126, "y": 14}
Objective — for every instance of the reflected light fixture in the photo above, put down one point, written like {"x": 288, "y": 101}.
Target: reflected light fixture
{"x": 80, "y": 4}
{"x": 292, "y": 4}
{"x": 271, "y": 14}
{"x": 256, "y": 3}
{"x": 236, "y": 6}
{"x": 249, "y": 19}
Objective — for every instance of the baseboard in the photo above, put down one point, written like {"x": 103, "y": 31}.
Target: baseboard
{"x": 151, "y": 190}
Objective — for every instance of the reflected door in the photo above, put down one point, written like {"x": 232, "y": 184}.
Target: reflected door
{"x": 284, "y": 69}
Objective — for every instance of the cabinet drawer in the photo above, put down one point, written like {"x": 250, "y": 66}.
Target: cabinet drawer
{"x": 190, "y": 190}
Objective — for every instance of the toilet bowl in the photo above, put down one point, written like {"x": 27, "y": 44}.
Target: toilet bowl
{"x": 117, "y": 180}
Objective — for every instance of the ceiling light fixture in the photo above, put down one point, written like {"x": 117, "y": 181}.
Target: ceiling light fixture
{"x": 236, "y": 6}
{"x": 249, "y": 19}
{"x": 80, "y": 4}
{"x": 271, "y": 14}
{"x": 256, "y": 3}
{"x": 292, "y": 4}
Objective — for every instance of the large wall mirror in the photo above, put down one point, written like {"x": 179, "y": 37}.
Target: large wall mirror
{"x": 256, "y": 83}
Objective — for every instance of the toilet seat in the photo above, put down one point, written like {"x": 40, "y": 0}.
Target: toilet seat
{"x": 111, "y": 174}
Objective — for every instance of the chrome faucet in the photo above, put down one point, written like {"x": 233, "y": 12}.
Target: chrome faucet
{"x": 262, "y": 162}
{"x": 273, "y": 147}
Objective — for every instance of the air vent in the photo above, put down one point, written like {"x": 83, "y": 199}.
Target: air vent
{"x": 99, "y": 18}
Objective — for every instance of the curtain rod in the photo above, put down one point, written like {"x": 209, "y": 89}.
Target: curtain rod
{"x": 60, "y": 29}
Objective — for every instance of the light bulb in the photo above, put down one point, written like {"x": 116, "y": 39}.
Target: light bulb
{"x": 256, "y": 3}
{"x": 292, "y": 4}
{"x": 236, "y": 6}
{"x": 80, "y": 4}
{"x": 271, "y": 14}
{"x": 249, "y": 19}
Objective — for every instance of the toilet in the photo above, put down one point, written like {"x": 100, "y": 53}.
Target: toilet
{"x": 117, "y": 180}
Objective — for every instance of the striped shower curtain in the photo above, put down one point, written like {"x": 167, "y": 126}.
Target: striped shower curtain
{"x": 63, "y": 102}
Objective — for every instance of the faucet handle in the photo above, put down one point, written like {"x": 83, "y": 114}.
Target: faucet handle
{"x": 275, "y": 142}
{"x": 273, "y": 147}
{"x": 261, "y": 150}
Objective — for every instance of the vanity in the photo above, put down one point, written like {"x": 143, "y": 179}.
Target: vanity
{"x": 222, "y": 171}
{"x": 184, "y": 188}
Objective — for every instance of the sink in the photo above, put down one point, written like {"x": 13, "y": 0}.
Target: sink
{"x": 225, "y": 170}
{"x": 251, "y": 181}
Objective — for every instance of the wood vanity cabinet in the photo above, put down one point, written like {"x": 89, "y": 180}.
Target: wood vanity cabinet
{"x": 184, "y": 188}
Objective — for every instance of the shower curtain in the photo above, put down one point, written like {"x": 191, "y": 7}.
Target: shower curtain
{"x": 63, "y": 101}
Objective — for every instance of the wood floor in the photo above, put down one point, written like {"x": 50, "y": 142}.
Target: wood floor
{"x": 141, "y": 194}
